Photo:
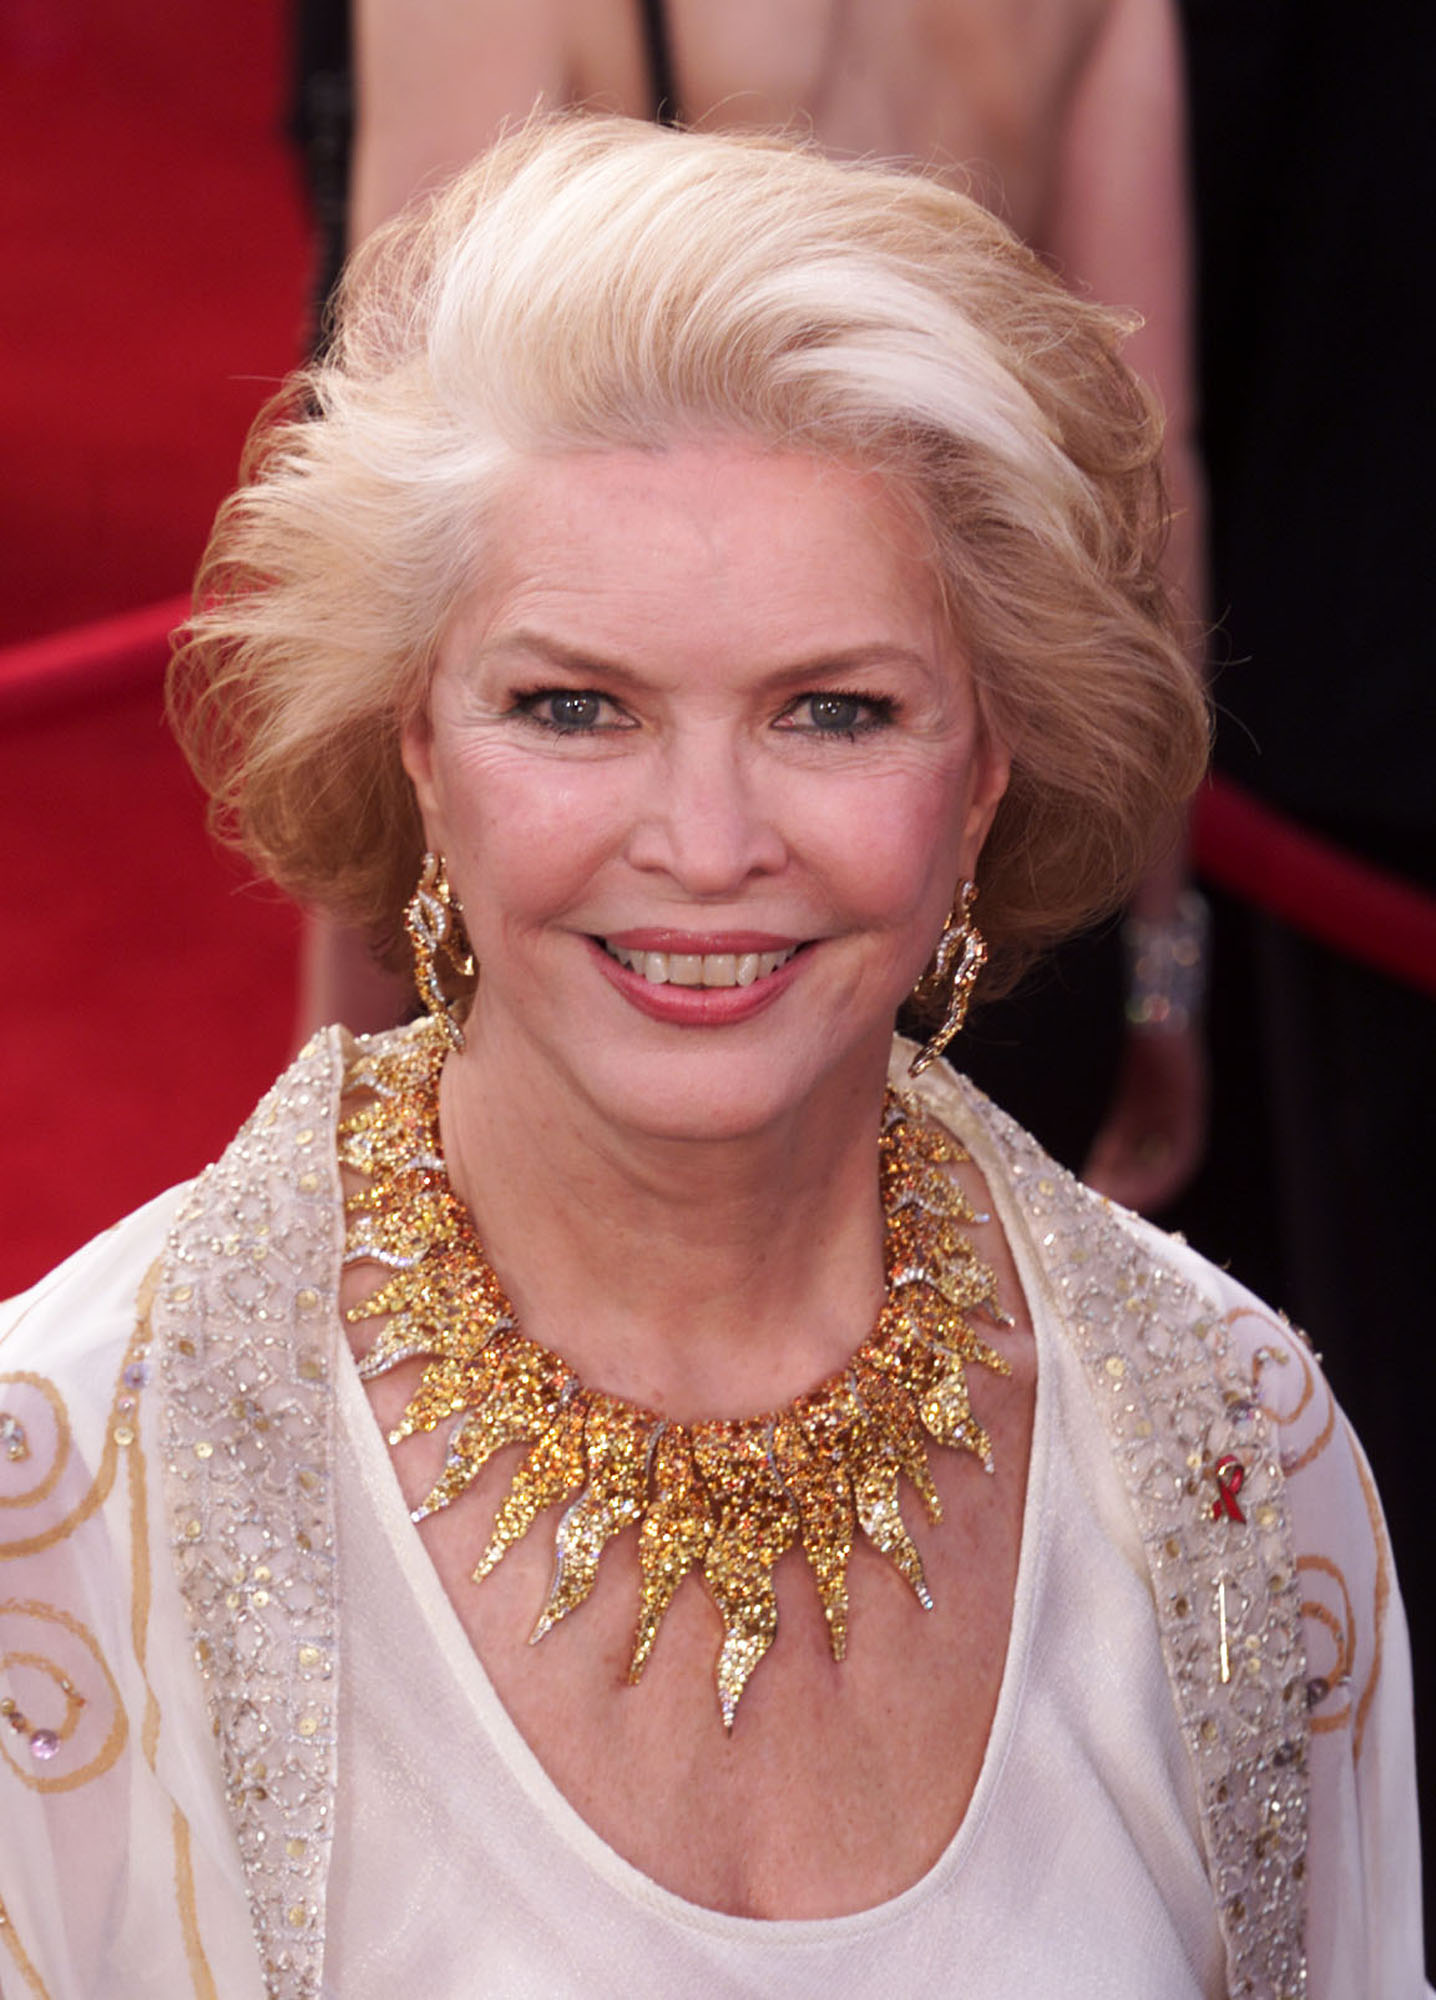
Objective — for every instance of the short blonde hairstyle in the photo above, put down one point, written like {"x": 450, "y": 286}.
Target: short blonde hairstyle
{"x": 594, "y": 283}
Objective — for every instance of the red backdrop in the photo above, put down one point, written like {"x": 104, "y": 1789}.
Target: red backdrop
{"x": 151, "y": 293}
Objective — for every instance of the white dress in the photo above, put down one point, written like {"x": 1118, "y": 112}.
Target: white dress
{"x": 250, "y": 1750}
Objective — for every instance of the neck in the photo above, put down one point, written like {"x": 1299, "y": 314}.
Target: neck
{"x": 698, "y": 1276}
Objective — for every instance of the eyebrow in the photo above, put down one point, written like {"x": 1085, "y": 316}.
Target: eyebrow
{"x": 583, "y": 660}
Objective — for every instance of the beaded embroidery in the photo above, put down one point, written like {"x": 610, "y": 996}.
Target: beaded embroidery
{"x": 1227, "y": 1599}
{"x": 246, "y": 1313}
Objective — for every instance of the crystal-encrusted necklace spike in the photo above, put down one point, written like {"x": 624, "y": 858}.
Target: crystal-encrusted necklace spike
{"x": 724, "y": 1497}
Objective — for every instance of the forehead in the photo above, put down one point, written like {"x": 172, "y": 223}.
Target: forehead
{"x": 706, "y": 529}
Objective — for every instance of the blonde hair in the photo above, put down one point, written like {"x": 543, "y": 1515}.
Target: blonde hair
{"x": 596, "y": 283}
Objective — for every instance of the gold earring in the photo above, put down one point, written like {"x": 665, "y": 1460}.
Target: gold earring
{"x": 961, "y": 955}
{"x": 434, "y": 921}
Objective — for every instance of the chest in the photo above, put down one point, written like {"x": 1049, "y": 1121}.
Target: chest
{"x": 1066, "y": 1823}
{"x": 839, "y": 1784}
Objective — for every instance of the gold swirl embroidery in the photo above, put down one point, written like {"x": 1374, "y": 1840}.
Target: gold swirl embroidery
{"x": 1294, "y": 1348}
{"x": 122, "y": 1419}
{"x": 23, "y": 1961}
{"x": 1380, "y": 1598}
{"x": 1343, "y": 1633}
{"x": 199, "y": 1971}
{"x": 119, "y": 1434}
{"x": 1291, "y": 1348}
{"x": 69, "y": 1694}
{"x": 140, "y": 1588}
{"x": 22, "y": 1379}
{"x": 109, "y": 1750}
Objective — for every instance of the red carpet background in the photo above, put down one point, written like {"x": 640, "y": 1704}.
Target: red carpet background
{"x": 151, "y": 294}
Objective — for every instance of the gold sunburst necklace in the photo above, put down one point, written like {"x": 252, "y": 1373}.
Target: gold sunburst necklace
{"x": 724, "y": 1497}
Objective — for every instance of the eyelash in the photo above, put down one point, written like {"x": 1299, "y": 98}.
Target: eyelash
{"x": 528, "y": 702}
{"x": 880, "y": 711}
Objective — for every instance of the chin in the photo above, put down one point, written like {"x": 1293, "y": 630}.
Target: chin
{"x": 729, "y": 1089}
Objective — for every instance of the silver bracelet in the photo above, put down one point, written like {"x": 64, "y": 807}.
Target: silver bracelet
{"x": 1167, "y": 967}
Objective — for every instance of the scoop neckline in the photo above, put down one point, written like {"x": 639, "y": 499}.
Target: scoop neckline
{"x": 380, "y": 1480}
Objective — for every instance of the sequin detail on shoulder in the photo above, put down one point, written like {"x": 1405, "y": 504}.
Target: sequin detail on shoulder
{"x": 247, "y": 1318}
{"x": 1203, "y": 1473}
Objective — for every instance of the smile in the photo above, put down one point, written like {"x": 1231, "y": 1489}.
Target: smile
{"x": 716, "y": 968}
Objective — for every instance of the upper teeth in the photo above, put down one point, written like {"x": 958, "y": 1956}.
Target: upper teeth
{"x": 709, "y": 968}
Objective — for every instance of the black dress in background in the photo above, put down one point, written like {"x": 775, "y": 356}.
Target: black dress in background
{"x": 1315, "y": 191}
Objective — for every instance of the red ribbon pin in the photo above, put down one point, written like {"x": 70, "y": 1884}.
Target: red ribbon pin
{"x": 1229, "y": 1473}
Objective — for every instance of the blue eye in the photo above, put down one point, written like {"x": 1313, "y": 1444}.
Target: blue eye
{"x": 840, "y": 713}
{"x": 570, "y": 711}
{"x": 846, "y": 715}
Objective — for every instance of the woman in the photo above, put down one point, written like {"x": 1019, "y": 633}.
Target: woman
{"x": 1067, "y": 120}
{"x": 703, "y": 583}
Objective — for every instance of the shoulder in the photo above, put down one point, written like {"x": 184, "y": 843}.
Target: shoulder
{"x": 1225, "y": 1400}
{"x": 1363, "y": 1858}
{"x": 85, "y": 1308}
{"x": 1337, "y": 1525}
{"x": 1253, "y": 1351}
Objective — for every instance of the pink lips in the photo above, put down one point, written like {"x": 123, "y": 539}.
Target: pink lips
{"x": 697, "y": 1006}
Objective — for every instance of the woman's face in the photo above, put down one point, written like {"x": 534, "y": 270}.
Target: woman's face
{"x": 706, "y": 765}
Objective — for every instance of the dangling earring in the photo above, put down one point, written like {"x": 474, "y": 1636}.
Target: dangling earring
{"x": 434, "y": 921}
{"x": 961, "y": 955}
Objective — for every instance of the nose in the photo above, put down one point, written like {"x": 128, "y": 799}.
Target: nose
{"x": 707, "y": 821}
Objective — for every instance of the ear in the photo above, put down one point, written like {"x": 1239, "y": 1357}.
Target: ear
{"x": 991, "y": 770}
{"x": 416, "y": 749}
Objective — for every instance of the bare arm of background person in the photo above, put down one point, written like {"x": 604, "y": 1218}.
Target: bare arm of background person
{"x": 437, "y": 80}
{"x": 1120, "y": 228}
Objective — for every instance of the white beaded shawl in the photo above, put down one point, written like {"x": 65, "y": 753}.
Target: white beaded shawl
{"x": 1270, "y": 1577}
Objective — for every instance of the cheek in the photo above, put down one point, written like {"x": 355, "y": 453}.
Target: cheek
{"x": 898, "y": 846}
{"x": 525, "y": 834}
